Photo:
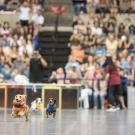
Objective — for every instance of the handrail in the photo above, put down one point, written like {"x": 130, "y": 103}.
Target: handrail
{"x": 39, "y": 84}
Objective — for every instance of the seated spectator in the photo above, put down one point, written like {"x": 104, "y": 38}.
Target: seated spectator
{"x": 36, "y": 7}
{"x": 75, "y": 37}
{"x": 78, "y": 54}
{"x": 99, "y": 50}
{"x": 7, "y": 71}
{"x": 22, "y": 65}
{"x": 60, "y": 76}
{"x": 10, "y": 40}
{"x": 132, "y": 29}
{"x": 6, "y": 29}
{"x": 53, "y": 78}
{"x": 21, "y": 46}
{"x": 79, "y": 6}
{"x": 124, "y": 64}
{"x": 6, "y": 49}
{"x": 121, "y": 30}
{"x": 73, "y": 76}
{"x": 127, "y": 23}
{"x": 81, "y": 27}
{"x": 38, "y": 19}
{"x": 17, "y": 28}
{"x": 72, "y": 63}
{"x": 89, "y": 74}
{"x": 124, "y": 43}
{"x": 20, "y": 78}
{"x": 111, "y": 44}
{"x": 96, "y": 29}
{"x": 29, "y": 46}
{"x": 14, "y": 52}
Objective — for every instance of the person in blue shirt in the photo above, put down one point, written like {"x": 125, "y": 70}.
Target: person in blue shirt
{"x": 7, "y": 71}
{"x": 99, "y": 50}
{"x": 126, "y": 66}
{"x": 124, "y": 86}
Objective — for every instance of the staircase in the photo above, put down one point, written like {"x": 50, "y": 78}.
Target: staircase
{"x": 54, "y": 49}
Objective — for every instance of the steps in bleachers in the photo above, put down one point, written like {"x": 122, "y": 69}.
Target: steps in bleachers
{"x": 54, "y": 50}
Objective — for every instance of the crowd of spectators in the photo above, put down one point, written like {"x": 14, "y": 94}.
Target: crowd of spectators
{"x": 12, "y": 5}
{"x": 90, "y": 43}
{"x": 17, "y": 44}
{"x": 103, "y": 6}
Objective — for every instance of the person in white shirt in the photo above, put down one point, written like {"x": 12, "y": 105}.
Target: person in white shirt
{"x": 24, "y": 14}
{"x": 29, "y": 45}
{"x": 38, "y": 18}
{"x": 96, "y": 29}
{"x": 20, "y": 78}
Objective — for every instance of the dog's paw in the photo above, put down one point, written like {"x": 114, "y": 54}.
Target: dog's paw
{"x": 13, "y": 115}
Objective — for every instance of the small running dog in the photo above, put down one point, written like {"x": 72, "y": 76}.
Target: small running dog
{"x": 51, "y": 107}
{"x": 20, "y": 108}
{"x": 37, "y": 105}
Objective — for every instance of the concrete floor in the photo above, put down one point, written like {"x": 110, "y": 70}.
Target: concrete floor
{"x": 73, "y": 122}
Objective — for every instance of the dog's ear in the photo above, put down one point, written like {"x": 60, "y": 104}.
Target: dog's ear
{"x": 15, "y": 96}
{"x": 24, "y": 96}
{"x": 54, "y": 100}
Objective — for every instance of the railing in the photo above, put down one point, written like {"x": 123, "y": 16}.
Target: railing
{"x": 7, "y": 87}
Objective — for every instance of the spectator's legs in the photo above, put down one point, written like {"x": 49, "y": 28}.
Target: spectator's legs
{"x": 121, "y": 99}
{"x": 119, "y": 94}
{"x": 111, "y": 95}
{"x": 91, "y": 100}
{"x": 102, "y": 96}
{"x": 86, "y": 102}
{"x": 95, "y": 99}
{"x": 84, "y": 98}
{"x": 125, "y": 94}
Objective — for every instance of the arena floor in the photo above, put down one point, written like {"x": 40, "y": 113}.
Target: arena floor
{"x": 73, "y": 122}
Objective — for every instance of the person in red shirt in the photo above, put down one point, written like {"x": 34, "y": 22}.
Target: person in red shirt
{"x": 115, "y": 93}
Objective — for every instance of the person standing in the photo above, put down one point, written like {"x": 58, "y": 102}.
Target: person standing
{"x": 24, "y": 14}
{"x": 115, "y": 93}
{"x": 37, "y": 65}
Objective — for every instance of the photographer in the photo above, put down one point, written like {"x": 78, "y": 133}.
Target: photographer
{"x": 37, "y": 64}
